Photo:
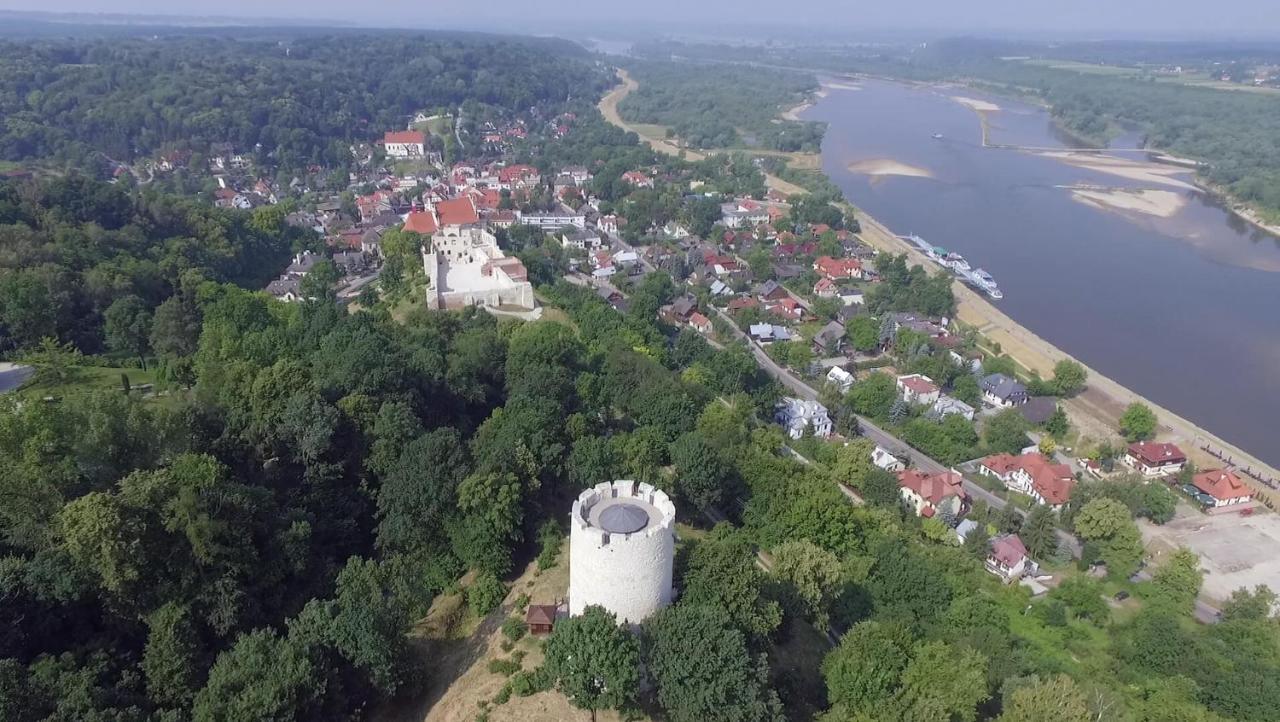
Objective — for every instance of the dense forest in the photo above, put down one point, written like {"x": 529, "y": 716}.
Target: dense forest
{"x": 722, "y": 106}
{"x": 82, "y": 260}
{"x": 294, "y": 101}
{"x": 1237, "y": 134}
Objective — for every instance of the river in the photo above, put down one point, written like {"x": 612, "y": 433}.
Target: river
{"x": 1183, "y": 308}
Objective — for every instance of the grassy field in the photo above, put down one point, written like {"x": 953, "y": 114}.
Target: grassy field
{"x": 89, "y": 379}
{"x": 1195, "y": 80}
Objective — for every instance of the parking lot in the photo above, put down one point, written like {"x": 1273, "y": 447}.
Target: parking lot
{"x": 1235, "y": 551}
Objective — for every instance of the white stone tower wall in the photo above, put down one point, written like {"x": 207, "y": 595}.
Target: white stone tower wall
{"x": 627, "y": 574}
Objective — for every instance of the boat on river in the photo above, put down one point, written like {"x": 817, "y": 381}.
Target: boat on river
{"x": 958, "y": 265}
{"x": 984, "y": 282}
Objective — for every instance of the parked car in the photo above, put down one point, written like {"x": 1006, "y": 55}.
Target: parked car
{"x": 1121, "y": 596}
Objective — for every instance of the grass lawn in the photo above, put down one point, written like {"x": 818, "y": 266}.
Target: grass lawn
{"x": 90, "y": 379}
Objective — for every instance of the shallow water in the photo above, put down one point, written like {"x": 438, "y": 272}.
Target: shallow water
{"x": 1184, "y": 310}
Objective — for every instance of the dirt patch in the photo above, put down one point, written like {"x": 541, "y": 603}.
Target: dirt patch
{"x": 1234, "y": 551}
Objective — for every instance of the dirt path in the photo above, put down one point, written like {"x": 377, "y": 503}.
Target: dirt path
{"x": 609, "y": 109}
{"x": 1096, "y": 411}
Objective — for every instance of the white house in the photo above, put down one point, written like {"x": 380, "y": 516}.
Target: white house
{"x": 582, "y": 239}
{"x": 1000, "y": 390}
{"x": 1031, "y": 473}
{"x": 945, "y": 405}
{"x": 887, "y": 461}
{"x": 841, "y": 378}
{"x": 918, "y": 389}
{"x": 1153, "y": 459}
{"x": 798, "y": 414}
{"x": 1008, "y": 558}
{"x": 405, "y": 144}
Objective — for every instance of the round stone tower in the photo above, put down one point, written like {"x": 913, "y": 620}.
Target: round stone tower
{"x": 621, "y": 548}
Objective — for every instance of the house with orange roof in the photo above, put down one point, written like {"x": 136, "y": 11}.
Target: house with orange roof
{"x": 837, "y": 269}
{"x": 932, "y": 494}
{"x": 699, "y": 323}
{"x": 918, "y": 389}
{"x": 1032, "y": 474}
{"x": 1224, "y": 485}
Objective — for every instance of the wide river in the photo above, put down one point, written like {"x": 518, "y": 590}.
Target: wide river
{"x": 1180, "y": 303}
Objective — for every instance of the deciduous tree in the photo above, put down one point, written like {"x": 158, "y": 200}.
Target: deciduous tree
{"x": 594, "y": 663}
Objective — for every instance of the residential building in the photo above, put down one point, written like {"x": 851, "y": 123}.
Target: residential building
{"x": 946, "y": 405}
{"x": 680, "y": 310}
{"x": 797, "y": 415}
{"x": 1038, "y": 409}
{"x": 841, "y": 378}
{"x": 932, "y": 494}
{"x": 405, "y": 144}
{"x": 1223, "y": 485}
{"x": 637, "y": 179}
{"x": 699, "y": 323}
{"x": 1154, "y": 459}
{"x": 838, "y": 268}
{"x": 581, "y": 238}
{"x": 826, "y": 288}
{"x": 1032, "y": 474}
{"x": 884, "y": 459}
{"x": 1000, "y": 390}
{"x": 771, "y": 290}
{"x": 830, "y": 339}
{"x": 768, "y": 333}
{"x": 554, "y": 220}
{"x": 918, "y": 389}
{"x": 787, "y": 308}
{"x": 1008, "y": 558}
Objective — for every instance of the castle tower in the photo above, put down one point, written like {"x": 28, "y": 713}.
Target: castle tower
{"x": 621, "y": 549}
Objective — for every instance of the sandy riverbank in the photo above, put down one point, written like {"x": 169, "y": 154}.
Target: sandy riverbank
{"x": 982, "y": 106}
{"x": 888, "y": 167}
{"x": 1097, "y": 410}
{"x": 1146, "y": 201}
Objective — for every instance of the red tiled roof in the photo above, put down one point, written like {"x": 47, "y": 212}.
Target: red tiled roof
{"x": 1221, "y": 484}
{"x": 933, "y": 488}
{"x": 837, "y": 267}
{"x": 516, "y": 172}
{"x": 1008, "y": 550}
{"x": 404, "y": 136}
{"x": 697, "y": 319}
{"x": 457, "y": 212}
{"x": 1001, "y": 464}
{"x": 1157, "y": 454}
{"x": 1053, "y": 482}
{"x": 423, "y": 222}
{"x": 918, "y": 384}
{"x": 742, "y": 302}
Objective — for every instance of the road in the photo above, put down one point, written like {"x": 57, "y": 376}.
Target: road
{"x": 1204, "y": 612}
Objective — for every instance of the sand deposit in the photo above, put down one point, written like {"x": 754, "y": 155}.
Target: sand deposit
{"x": 981, "y": 106}
{"x": 1160, "y": 203}
{"x": 878, "y": 167}
{"x": 1135, "y": 170}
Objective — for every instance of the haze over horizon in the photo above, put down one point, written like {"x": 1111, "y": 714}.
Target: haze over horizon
{"x": 1156, "y": 19}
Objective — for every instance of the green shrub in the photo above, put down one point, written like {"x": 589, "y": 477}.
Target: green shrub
{"x": 527, "y": 683}
{"x": 485, "y": 594}
{"x": 514, "y": 629}
{"x": 549, "y": 541}
{"x": 503, "y": 695}
{"x": 504, "y": 667}
{"x": 522, "y": 602}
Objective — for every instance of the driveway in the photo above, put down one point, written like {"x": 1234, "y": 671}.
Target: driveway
{"x": 13, "y": 375}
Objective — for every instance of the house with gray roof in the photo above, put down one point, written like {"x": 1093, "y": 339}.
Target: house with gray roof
{"x": 1002, "y": 391}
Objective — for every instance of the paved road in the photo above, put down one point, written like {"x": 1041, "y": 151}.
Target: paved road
{"x": 13, "y": 375}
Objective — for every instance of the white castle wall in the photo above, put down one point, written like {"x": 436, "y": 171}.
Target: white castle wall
{"x": 627, "y": 574}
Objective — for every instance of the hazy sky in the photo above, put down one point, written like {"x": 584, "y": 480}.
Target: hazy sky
{"x": 1127, "y": 18}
